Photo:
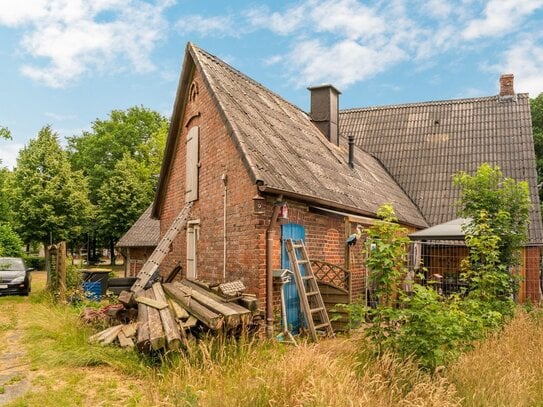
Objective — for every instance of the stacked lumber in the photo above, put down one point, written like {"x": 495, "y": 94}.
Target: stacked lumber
{"x": 167, "y": 313}
{"x": 124, "y": 334}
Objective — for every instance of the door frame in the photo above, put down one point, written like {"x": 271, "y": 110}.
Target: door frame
{"x": 193, "y": 235}
{"x": 293, "y": 310}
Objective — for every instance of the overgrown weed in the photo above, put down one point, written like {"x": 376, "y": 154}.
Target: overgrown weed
{"x": 505, "y": 369}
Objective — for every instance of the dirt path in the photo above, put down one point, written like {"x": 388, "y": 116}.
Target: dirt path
{"x": 15, "y": 371}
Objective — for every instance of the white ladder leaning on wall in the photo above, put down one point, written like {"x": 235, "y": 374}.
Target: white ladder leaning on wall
{"x": 308, "y": 290}
{"x": 150, "y": 268}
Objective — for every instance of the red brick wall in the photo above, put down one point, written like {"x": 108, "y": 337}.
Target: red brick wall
{"x": 136, "y": 257}
{"x": 245, "y": 231}
{"x": 532, "y": 266}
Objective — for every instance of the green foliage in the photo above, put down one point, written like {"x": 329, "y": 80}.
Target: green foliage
{"x": 135, "y": 137}
{"x": 5, "y": 133}
{"x": 11, "y": 244}
{"x": 537, "y": 128}
{"x": 506, "y": 203}
{"x": 123, "y": 197}
{"x": 6, "y": 210}
{"x": 488, "y": 278}
{"x": 499, "y": 211}
{"x": 50, "y": 198}
{"x": 385, "y": 249}
{"x": 35, "y": 262}
{"x": 137, "y": 132}
{"x": 423, "y": 323}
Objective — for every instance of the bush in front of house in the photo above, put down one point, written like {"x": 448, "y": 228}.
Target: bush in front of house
{"x": 35, "y": 262}
{"x": 11, "y": 244}
{"x": 423, "y": 323}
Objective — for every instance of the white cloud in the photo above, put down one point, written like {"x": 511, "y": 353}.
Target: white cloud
{"x": 352, "y": 61}
{"x": 524, "y": 59}
{"x": 9, "y": 151}
{"x": 60, "y": 117}
{"x": 439, "y": 9}
{"x": 279, "y": 23}
{"x": 500, "y": 17}
{"x": 273, "y": 60}
{"x": 347, "y": 18}
{"x": 69, "y": 38}
{"x": 205, "y": 26}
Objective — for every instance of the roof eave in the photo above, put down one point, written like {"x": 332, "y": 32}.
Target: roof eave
{"x": 330, "y": 204}
{"x": 173, "y": 131}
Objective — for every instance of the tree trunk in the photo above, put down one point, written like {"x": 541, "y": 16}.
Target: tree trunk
{"x": 112, "y": 251}
{"x": 94, "y": 247}
{"x": 47, "y": 263}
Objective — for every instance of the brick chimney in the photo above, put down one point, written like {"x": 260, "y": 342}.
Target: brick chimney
{"x": 506, "y": 85}
{"x": 325, "y": 110}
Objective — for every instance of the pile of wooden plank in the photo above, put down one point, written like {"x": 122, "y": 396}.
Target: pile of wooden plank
{"x": 167, "y": 312}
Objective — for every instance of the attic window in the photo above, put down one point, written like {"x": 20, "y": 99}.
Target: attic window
{"x": 194, "y": 91}
{"x": 436, "y": 122}
{"x": 192, "y": 164}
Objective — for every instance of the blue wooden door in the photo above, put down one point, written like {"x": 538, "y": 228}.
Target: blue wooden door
{"x": 292, "y": 301}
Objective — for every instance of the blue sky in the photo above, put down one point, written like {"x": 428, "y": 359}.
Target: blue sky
{"x": 68, "y": 62}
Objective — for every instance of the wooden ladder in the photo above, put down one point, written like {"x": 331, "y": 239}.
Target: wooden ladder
{"x": 308, "y": 290}
{"x": 150, "y": 268}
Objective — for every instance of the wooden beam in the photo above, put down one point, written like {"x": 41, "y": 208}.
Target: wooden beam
{"x": 156, "y": 332}
{"x": 99, "y": 337}
{"x": 125, "y": 341}
{"x": 206, "y": 316}
{"x": 234, "y": 314}
{"x": 156, "y": 304}
{"x": 130, "y": 330}
{"x": 171, "y": 330}
{"x": 189, "y": 323}
{"x": 142, "y": 340}
{"x": 127, "y": 299}
{"x": 178, "y": 310}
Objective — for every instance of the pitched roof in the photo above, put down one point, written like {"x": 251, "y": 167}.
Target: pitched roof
{"x": 423, "y": 144}
{"x": 145, "y": 232}
{"x": 284, "y": 152}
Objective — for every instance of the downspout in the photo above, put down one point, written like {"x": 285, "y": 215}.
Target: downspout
{"x": 224, "y": 179}
{"x": 269, "y": 274}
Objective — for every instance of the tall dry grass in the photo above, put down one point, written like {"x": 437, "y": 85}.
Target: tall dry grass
{"x": 504, "y": 370}
{"x": 507, "y": 368}
{"x": 331, "y": 373}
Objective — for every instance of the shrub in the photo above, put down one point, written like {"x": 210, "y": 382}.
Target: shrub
{"x": 11, "y": 244}
{"x": 386, "y": 248}
{"x": 36, "y": 262}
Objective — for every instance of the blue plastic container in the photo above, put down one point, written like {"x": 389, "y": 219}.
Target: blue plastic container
{"x": 93, "y": 290}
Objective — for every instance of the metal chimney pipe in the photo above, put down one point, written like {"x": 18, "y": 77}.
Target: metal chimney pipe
{"x": 351, "y": 151}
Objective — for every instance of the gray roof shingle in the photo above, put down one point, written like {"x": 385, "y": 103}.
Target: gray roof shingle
{"x": 423, "y": 144}
{"x": 145, "y": 232}
{"x": 285, "y": 151}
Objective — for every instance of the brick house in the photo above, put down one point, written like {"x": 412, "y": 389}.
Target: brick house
{"x": 240, "y": 152}
{"x": 138, "y": 243}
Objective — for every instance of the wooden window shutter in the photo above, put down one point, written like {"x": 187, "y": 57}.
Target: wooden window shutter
{"x": 192, "y": 164}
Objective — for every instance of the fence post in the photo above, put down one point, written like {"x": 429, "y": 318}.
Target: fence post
{"x": 62, "y": 271}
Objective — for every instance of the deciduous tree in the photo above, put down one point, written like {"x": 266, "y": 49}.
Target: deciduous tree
{"x": 137, "y": 134}
{"x": 122, "y": 198}
{"x": 536, "y": 106}
{"x": 50, "y": 198}
{"x": 5, "y": 133}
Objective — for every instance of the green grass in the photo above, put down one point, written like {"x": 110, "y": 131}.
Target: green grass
{"x": 217, "y": 371}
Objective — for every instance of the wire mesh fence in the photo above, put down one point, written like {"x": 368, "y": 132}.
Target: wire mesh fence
{"x": 438, "y": 264}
